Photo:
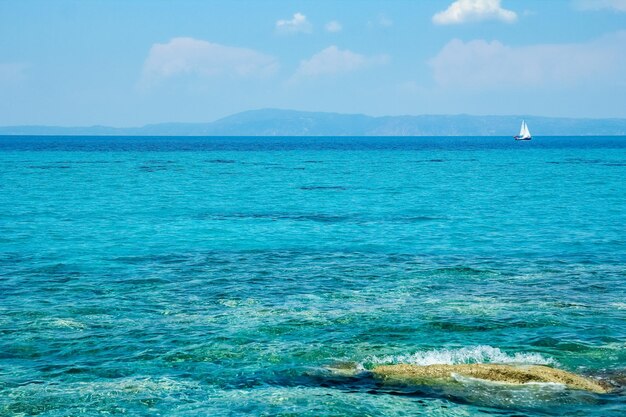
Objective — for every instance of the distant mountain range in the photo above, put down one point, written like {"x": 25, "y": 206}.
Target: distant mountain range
{"x": 272, "y": 122}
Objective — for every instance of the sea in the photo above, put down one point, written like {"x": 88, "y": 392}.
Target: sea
{"x": 264, "y": 276}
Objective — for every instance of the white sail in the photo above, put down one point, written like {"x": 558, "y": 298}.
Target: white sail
{"x": 524, "y": 133}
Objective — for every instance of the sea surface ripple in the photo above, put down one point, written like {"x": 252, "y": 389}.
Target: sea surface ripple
{"x": 225, "y": 276}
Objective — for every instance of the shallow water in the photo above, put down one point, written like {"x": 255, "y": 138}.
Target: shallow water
{"x": 206, "y": 276}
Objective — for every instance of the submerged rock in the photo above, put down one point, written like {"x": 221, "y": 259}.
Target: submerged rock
{"x": 508, "y": 374}
{"x": 343, "y": 368}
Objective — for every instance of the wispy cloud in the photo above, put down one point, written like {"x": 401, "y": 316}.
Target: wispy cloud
{"x": 385, "y": 21}
{"x": 480, "y": 64}
{"x": 617, "y": 5}
{"x": 381, "y": 21}
{"x": 462, "y": 11}
{"x": 297, "y": 24}
{"x": 333, "y": 26}
{"x": 333, "y": 61}
{"x": 12, "y": 72}
{"x": 182, "y": 56}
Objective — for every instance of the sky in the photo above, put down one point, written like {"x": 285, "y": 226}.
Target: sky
{"x": 129, "y": 63}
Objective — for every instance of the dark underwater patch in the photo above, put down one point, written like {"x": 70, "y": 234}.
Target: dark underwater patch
{"x": 221, "y": 161}
{"x": 316, "y": 217}
{"x": 410, "y": 219}
{"x": 153, "y": 168}
{"x": 465, "y": 270}
{"x": 155, "y": 165}
{"x": 49, "y": 166}
{"x": 323, "y": 187}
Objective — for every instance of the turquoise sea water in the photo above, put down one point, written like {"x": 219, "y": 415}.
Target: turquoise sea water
{"x": 208, "y": 276}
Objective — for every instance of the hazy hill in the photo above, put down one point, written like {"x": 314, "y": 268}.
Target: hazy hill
{"x": 271, "y": 122}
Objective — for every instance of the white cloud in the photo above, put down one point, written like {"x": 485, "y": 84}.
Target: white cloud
{"x": 182, "y": 56}
{"x": 484, "y": 65}
{"x": 462, "y": 11}
{"x": 617, "y": 5}
{"x": 298, "y": 24}
{"x": 333, "y": 26}
{"x": 332, "y": 61}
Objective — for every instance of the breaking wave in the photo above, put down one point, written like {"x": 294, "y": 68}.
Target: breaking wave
{"x": 474, "y": 354}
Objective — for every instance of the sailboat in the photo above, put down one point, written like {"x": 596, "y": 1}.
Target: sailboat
{"x": 524, "y": 133}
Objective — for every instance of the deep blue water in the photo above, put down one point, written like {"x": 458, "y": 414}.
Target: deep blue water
{"x": 227, "y": 276}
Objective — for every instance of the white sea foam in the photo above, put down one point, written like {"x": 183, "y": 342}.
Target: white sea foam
{"x": 474, "y": 354}
{"x": 63, "y": 323}
{"x": 120, "y": 387}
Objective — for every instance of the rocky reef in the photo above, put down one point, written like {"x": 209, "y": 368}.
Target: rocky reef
{"x": 497, "y": 373}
